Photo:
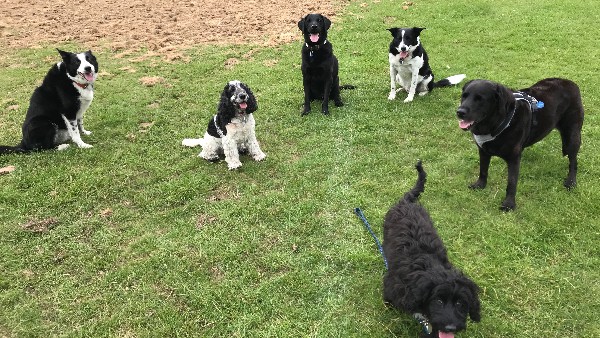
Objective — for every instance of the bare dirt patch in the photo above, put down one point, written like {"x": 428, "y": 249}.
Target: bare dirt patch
{"x": 165, "y": 27}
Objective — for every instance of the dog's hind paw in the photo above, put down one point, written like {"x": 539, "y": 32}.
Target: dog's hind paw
{"x": 234, "y": 165}
{"x": 570, "y": 183}
{"x": 259, "y": 157}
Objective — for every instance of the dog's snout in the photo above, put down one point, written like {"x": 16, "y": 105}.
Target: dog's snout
{"x": 88, "y": 69}
{"x": 403, "y": 48}
{"x": 461, "y": 112}
{"x": 450, "y": 328}
{"x": 243, "y": 96}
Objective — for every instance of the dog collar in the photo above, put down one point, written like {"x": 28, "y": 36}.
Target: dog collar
{"x": 534, "y": 105}
{"x": 219, "y": 131}
{"x": 313, "y": 48}
{"x": 427, "y": 328}
{"x": 81, "y": 85}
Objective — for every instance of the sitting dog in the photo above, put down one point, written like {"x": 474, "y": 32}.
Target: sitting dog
{"x": 56, "y": 108}
{"x": 503, "y": 123}
{"x": 409, "y": 65}
{"x": 319, "y": 65}
{"x": 232, "y": 129}
{"x": 420, "y": 280}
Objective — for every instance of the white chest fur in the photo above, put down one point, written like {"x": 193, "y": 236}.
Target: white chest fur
{"x": 85, "y": 98}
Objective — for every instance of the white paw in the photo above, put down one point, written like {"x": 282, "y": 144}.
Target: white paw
{"x": 86, "y": 132}
{"x": 423, "y": 93}
{"x": 409, "y": 98}
{"x": 84, "y": 145}
{"x": 392, "y": 95}
{"x": 63, "y": 146}
{"x": 234, "y": 165}
{"x": 260, "y": 156}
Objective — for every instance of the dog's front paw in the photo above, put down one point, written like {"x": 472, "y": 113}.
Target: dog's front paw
{"x": 86, "y": 132}
{"x": 570, "y": 183}
{"x": 84, "y": 145}
{"x": 508, "y": 205}
{"x": 423, "y": 93}
{"x": 409, "y": 99}
{"x": 479, "y": 184}
{"x": 260, "y": 156}
{"x": 234, "y": 165}
{"x": 305, "y": 109}
{"x": 392, "y": 95}
{"x": 338, "y": 103}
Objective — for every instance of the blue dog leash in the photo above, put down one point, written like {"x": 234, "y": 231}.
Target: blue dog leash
{"x": 360, "y": 215}
{"x": 427, "y": 329}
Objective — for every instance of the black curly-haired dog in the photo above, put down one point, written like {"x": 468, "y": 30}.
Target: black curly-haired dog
{"x": 420, "y": 280}
{"x": 319, "y": 65}
{"x": 504, "y": 122}
{"x": 232, "y": 129}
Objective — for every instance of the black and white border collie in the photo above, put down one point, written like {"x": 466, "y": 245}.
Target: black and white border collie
{"x": 409, "y": 65}
{"x": 56, "y": 108}
{"x": 232, "y": 130}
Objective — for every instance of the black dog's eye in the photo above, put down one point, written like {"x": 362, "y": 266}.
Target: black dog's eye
{"x": 439, "y": 302}
{"x": 477, "y": 98}
{"x": 460, "y": 305}
{"x": 465, "y": 95}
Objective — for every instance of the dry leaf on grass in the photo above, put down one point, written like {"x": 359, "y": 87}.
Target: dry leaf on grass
{"x": 150, "y": 81}
{"x": 7, "y": 170}
{"x": 145, "y": 126}
{"x": 106, "y": 212}
{"x": 40, "y": 226}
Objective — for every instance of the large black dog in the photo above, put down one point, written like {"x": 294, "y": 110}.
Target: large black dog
{"x": 420, "y": 279}
{"x": 319, "y": 65}
{"x": 504, "y": 122}
{"x": 56, "y": 108}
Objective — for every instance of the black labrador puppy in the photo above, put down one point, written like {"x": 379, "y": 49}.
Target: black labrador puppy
{"x": 319, "y": 65}
{"x": 504, "y": 122}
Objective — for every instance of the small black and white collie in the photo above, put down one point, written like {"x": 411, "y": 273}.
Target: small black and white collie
{"x": 232, "y": 130}
{"x": 409, "y": 65}
{"x": 55, "y": 114}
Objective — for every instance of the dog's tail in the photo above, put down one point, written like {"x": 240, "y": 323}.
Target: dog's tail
{"x": 450, "y": 80}
{"x": 13, "y": 150}
{"x": 419, "y": 187}
{"x": 192, "y": 142}
{"x": 347, "y": 86}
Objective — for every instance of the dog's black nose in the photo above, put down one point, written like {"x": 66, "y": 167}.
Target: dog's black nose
{"x": 450, "y": 328}
{"x": 314, "y": 27}
{"x": 88, "y": 69}
{"x": 403, "y": 48}
{"x": 243, "y": 96}
{"x": 461, "y": 112}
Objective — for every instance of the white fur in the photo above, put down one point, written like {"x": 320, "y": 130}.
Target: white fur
{"x": 240, "y": 136}
{"x": 406, "y": 72}
{"x": 456, "y": 79}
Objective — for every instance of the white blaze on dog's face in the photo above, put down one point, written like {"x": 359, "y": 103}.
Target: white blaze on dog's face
{"x": 82, "y": 67}
{"x": 238, "y": 95}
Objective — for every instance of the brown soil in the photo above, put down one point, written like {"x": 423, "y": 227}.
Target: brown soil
{"x": 160, "y": 26}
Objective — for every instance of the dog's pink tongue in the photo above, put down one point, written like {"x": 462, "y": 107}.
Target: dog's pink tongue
{"x": 314, "y": 37}
{"x": 403, "y": 54}
{"x": 243, "y": 105}
{"x": 446, "y": 334}
{"x": 89, "y": 76}
{"x": 464, "y": 124}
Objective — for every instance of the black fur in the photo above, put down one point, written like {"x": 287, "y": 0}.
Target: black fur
{"x": 56, "y": 96}
{"x": 319, "y": 65}
{"x": 420, "y": 278}
{"x": 227, "y": 109}
{"x": 485, "y": 105}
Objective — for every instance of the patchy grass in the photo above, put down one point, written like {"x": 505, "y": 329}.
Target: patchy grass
{"x": 139, "y": 237}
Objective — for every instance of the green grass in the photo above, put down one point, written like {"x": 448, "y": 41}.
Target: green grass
{"x": 145, "y": 239}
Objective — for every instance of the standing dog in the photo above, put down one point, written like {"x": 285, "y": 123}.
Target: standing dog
{"x": 56, "y": 108}
{"x": 420, "y": 279}
{"x": 409, "y": 65}
{"x": 232, "y": 129}
{"x": 319, "y": 65}
{"x": 504, "y": 123}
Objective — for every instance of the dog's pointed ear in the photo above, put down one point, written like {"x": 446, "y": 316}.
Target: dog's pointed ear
{"x": 326, "y": 21}
{"x": 395, "y": 31}
{"x": 66, "y": 56}
{"x": 301, "y": 24}
{"x": 252, "y": 104}
{"x": 418, "y": 29}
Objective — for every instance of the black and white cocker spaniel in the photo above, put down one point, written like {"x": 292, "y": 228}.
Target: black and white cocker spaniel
{"x": 421, "y": 280}
{"x": 232, "y": 130}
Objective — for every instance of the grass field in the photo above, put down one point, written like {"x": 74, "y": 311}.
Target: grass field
{"x": 138, "y": 237}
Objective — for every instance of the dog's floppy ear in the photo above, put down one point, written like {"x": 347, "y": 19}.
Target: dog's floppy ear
{"x": 301, "y": 24}
{"x": 225, "y": 106}
{"x": 252, "y": 104}
{"x": 506, "y": 100}
{"x": 418, "y": 292}
{"x": 395, "y": 31}
{"x": 472, "y": 298}
{"x": 326, "y": 21}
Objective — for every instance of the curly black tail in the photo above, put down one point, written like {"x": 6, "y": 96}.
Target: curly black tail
{"x": 419, "y": 187}
{"x": 12, "y": 150}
